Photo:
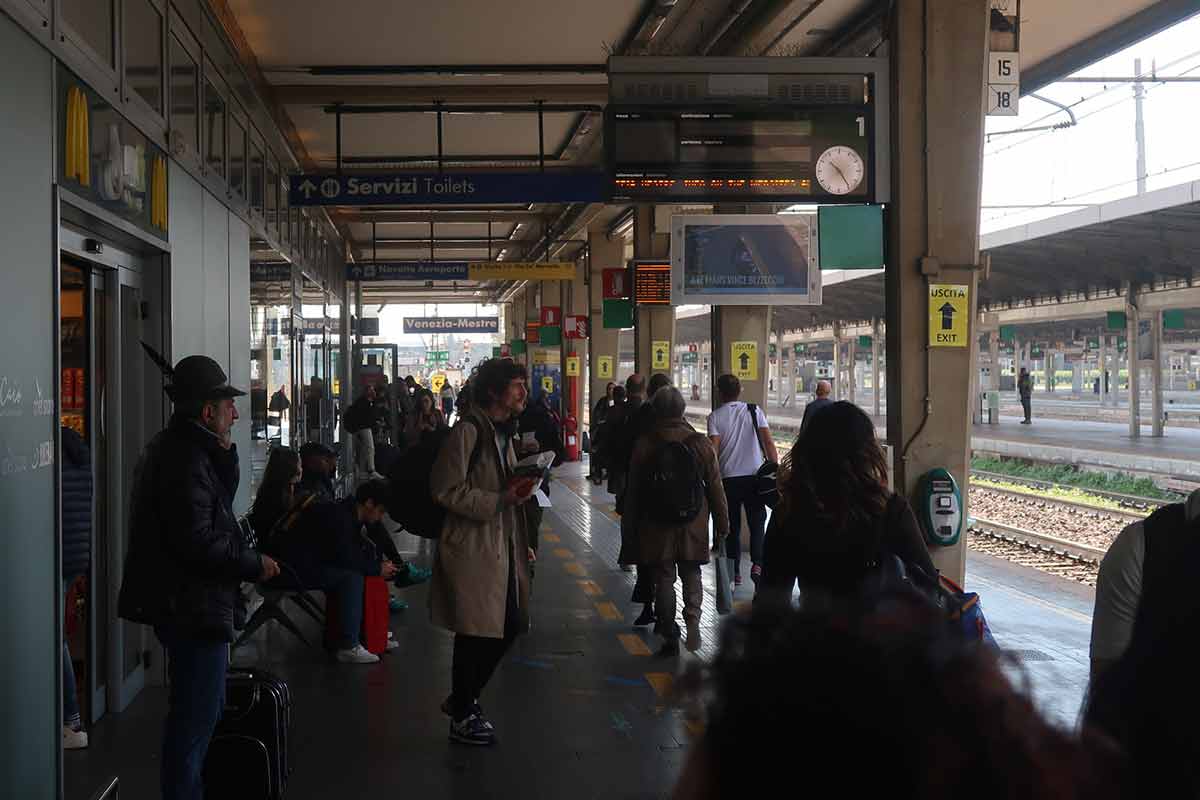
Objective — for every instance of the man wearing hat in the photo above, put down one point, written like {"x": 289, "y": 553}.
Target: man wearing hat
{"x": 187, "y": 558}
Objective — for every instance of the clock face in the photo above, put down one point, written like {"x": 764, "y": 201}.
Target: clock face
{"x": 840, "y": 170}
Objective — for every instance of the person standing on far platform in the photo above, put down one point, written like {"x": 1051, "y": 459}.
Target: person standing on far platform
{"x": 1025, "y": 390}
{"x": 824, "y": 389}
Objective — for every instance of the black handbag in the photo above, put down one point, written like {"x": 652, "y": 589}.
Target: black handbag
{"x": 766, "y": 480}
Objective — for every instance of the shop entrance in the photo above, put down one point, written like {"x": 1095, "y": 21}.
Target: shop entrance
{"x": 103, "y": 385}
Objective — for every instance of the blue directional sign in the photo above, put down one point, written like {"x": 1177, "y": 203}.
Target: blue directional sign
{"x": 408, "y": 271}
{"x": 425, "y": 188}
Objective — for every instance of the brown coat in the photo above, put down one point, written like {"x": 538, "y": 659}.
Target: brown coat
{"x": 470, "y": 567}
{"x": 661, "y": 544}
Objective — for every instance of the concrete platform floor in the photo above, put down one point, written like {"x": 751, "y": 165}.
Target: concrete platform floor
{"x": 579, "y": 704}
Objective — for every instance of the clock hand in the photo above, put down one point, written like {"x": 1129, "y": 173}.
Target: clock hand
{"x": 845, "y": 180}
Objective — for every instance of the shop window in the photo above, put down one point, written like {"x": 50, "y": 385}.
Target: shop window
{"x": 272, "y": 193}
{"x": 143, "y": 51}
{"x": 184, "y": 77}
{"x": 91, "y": 22}
{"x": 214, "y": 124}
{"x": 257, "y": 176}
{"x": 237, "y": 157}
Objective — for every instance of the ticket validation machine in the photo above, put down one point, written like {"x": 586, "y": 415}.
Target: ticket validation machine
{"x": 941, "y": 508}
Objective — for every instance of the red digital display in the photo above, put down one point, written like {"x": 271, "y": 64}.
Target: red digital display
{"x": 652, "y": 283}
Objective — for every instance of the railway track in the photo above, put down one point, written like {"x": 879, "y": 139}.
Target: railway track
{"x": 1125, "y": 500}
{"x": 1064, "y": 504}
{"x": 1061, "y": 557}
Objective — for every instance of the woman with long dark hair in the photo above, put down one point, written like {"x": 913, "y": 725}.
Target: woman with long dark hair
{"x": 837, "y": 517}
{"x": 276, "y": 496}
{"x": 426, "y": 417}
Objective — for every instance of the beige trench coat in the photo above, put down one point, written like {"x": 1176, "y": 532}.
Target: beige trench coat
{"x": 663, "y": 544}
{"x": 470, "y": 567}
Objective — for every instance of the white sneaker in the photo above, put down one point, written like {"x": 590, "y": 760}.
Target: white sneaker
{"x": 392, "y": 644}
{"x": 391, "y": 635}
{"x": 357, "y": 655}
{"x": 73, "y": 739}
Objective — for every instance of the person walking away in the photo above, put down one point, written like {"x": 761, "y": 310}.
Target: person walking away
{"x": 824, "y": 388}
{"x": 448, "y": 396}
{"x": 739, "y": 434}
{"x": 1025, "y": 390}
{"x": 837, "y": 519}
{"x": 480, "y": 586}
{"x": 186, "y": 560}
{"x": 360, "y": 422}
{"x": 674, "y": 487}
{"x": 278, "y": 406}
{"x": 76, "y": 464}
{"x": 595, "y": 423}
{"x": 602, "y": 434}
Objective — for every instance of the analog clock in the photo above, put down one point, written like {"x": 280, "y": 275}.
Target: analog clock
{"x": 840, "y": 170}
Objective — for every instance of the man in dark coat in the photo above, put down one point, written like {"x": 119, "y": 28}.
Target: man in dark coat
{"x": 824, "y": 388}
{"x": 187, "y": 559}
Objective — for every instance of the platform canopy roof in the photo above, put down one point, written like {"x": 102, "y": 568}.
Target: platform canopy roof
{"x": 384, "y": 63}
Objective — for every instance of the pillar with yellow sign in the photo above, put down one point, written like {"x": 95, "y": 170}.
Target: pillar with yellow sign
{"x": 604, "y": 252}
{"x": 933, "y": 232}
{"x": 654, "y": 327}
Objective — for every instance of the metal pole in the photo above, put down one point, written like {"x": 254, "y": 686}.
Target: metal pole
{"x": 1156, "y": 376}
{"x": 337, "y": 118}
{"x": 1131, "y": 358}
{"x": 1139, "y": 95}
{"x": 541, "y": 138}
{"x": 439, "y": 137}
{"x": 1103, "y": 364}
{"x": 875, "y": 393}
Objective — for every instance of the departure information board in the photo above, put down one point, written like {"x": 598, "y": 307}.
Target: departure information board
{"x": 713, "y": 154}
{"x": 652, "y": 283}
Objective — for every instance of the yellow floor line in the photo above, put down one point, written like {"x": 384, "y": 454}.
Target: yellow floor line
{"x": 575, "y": 568}
{"x": 591, "y": 588}
{"x": 563, "y": 552}
{"x": 609, "y": 611}
{"x": 633, "y": 644}
{"x": 553, "y": 538}
{"x": 661, "y": 681}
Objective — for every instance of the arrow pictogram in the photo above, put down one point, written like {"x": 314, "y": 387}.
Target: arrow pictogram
{"x": 308, "y": 187}
{"x": 947, "y": 316}
{"x": 658, "y": 355}
{"x": 745, "y": 359}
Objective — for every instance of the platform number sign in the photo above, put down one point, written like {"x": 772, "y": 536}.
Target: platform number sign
{"x": 948, "y": 310}
{"x": 1004, "y": 84}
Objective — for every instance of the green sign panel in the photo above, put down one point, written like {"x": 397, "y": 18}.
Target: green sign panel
{"x": 1121, "y": 343}
{"x": 689, "y": 358}
{"x": 864, "y": 341}
{"x": 550, "y": 335}
{"x": 800, "y": 348}
{"x": 1008, "y": 333}
{"x": 618, "y": 314}
{"x": 495, "y": 352}
{"x": 1116, "y": 321}
{"x": 851, "y": 237}
{"x": 438, "y": 356}
{"x": 517, "y": 346}
{"x": 771, "y": 350}
{"x": 1174, "y": 320}
{"x": 1093, "y": 343}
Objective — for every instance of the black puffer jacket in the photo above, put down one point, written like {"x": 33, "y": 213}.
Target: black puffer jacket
{"x": 186, "y": 556}
{"x": 76, "y": 505}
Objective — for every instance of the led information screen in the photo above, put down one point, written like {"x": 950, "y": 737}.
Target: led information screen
{"x": 652, "y": 283}
{"x": 745, "y": 259}
{"x": 819, "y": 155}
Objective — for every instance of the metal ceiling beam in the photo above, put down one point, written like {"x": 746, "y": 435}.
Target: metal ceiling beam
{"x": 341, "y": 70}
{"x": 366, "y": 94}
{"x": 478, "y": 216}
{"x": 474, "y": 108}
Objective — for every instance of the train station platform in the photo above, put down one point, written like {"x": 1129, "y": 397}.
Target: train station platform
{"x": 1088, "y": 444}
{"x": 580, "y": 704}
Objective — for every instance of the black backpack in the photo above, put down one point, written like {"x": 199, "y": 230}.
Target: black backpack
{"x": 412, "y": 502}
{"x": 674, "y": 488}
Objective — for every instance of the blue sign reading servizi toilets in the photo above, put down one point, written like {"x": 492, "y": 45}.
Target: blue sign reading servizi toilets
{"x": 408, "y": 188}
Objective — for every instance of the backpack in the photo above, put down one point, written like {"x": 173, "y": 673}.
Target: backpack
{"x": 674, "y": 488}
{"x": 412, "y": 503}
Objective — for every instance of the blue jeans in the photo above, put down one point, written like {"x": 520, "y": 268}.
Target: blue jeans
{"x": 346, "y": 584}
{"x": 740, "y": 492}
{"x": 196, "y": 668}
{"x": 71, "y": 718}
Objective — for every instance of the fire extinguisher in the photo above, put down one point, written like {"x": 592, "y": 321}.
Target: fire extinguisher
{"x": 571, "y": 437}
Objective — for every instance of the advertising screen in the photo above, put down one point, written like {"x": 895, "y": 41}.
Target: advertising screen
{"x": 745, "y": 259}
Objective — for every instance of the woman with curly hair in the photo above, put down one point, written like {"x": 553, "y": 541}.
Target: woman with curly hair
{"x": 836, "y": 517}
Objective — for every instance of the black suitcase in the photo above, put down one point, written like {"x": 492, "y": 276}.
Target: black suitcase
{"x": 248, "y": 756}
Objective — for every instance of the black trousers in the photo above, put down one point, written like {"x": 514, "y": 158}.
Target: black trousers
{"x": 1027, "y": 404}
{"x": 476, "y": 657}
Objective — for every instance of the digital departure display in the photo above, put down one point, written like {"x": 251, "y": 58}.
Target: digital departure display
{"x": 766, "y": 155}
{"x": 652, "y": 283}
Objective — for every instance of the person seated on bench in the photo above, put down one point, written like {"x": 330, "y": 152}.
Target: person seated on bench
{"x": 276, "y": 517}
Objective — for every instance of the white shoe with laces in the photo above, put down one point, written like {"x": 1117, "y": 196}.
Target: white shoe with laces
{"x": 392, "y": 644}
{"x": 357, "y": 655}
{"x": 73, "y": 739}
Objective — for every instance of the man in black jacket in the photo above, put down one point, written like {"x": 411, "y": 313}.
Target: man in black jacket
{"x": 186, "y": 560}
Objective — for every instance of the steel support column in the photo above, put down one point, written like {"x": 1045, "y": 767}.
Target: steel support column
{"x": 1131, "y": 358}
{"x": 1156, "y": 383}
{"x": 939, "y": 55}
{"x": 876, "y": 394}
{"x": 651, "y": 324}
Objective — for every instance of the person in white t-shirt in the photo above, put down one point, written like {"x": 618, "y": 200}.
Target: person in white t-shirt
{"x": 740, "y": 435}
